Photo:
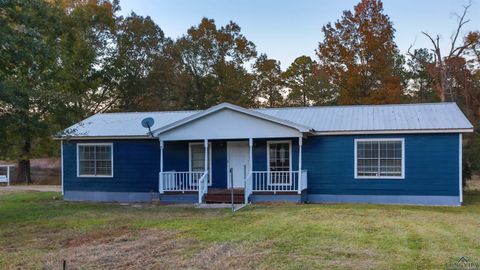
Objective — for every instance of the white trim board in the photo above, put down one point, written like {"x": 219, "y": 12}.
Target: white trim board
{"x": 78, "y": 160}
{"x": 355, "y": 172}
{"x": 460, "y": 167}
{"x": 400, "y": 131}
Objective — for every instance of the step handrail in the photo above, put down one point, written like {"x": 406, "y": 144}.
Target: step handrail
{"x": 248, "y": 187}
{"x": 202, "y": 187}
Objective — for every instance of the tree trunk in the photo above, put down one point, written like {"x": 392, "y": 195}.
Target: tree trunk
{"x": 23, "y": 172}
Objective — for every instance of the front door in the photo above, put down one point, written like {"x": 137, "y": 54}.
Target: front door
{"x": 238, "y": 162}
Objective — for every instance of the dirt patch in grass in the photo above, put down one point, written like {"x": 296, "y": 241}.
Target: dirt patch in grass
{"x": 153, "y": 249}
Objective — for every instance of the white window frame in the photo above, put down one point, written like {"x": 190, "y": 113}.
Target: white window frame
{"x": 209, "y": 159}
{"x": 402, "y": 140}
{"x": 93, "y": 175}
{"x": 289, "y": 165}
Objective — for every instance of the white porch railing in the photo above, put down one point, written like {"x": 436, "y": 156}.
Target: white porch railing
{"x": 276, "y": 182}
{"x": 179, "y": 181}
{"x": 202, "y": 187}
{"x": 5, "y": 174}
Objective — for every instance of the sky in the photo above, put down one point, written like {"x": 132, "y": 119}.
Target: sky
{"x": 286, "y": 29}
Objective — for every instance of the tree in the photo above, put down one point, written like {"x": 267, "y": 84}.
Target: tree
{"x": 139, "y": 43}
{"x": 307, "y": 83}
{"x": 29, "y": 69}
{"x": 48, "y": 70}
{"x": 453, "y": 79}
{"x": 268, "y": 83}
{"x": 442, "y": 72}
{"x": 360, "y": 56}
{"x": 420, "y": 82}
{"x": 87, "y": 46}
{"x": 214, "y": 60}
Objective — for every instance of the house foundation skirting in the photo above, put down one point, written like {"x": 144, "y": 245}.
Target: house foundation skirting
{"x": 179, "y": 198}
{"x": 101, "y": 196}
{"x": 386, "y": 199}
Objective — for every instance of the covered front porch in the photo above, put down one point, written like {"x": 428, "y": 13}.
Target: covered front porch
{"x": 229, "y": 147}
{"x": 257, "y": 170}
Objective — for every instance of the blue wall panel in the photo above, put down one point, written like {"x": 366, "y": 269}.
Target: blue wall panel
{"x": 135, "y": 168}
{"x": 431, "y": 166}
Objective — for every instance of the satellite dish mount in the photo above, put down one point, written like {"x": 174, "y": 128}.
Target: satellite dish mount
{"x": 148, "y": 123}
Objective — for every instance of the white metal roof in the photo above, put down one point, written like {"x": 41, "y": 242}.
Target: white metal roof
{"x": 362, "y": 118}
{"x": 426, "y": 117}
{"x": 126, "y": 124}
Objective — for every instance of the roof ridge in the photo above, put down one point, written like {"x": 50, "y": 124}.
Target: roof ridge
{"x": 179, "y": 111}
{"x": 355, "y": 105}
{"x": 293, "y": 107}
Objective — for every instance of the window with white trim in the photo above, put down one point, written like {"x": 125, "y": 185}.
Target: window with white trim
{"x": 279, "y": 162}
{"x": 197, "y": 159}
{"x": 95, "y": 160}
{"x": 379, "y": 158}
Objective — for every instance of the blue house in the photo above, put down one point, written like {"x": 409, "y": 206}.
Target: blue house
{"x": 387, "y": 154}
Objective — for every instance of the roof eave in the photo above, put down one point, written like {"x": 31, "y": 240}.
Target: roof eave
{"x": 398, "y": 131}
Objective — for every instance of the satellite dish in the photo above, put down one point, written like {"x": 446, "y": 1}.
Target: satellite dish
{"x": 148, "y": 123}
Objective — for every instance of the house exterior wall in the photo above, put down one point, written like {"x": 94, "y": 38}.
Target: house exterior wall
{"x": 135, "y": 172}
{"x": 431, "y": 171}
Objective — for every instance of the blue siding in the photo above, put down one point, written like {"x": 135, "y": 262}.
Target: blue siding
{"x": 135, "y": 168}
{"x": 431, "y": 166}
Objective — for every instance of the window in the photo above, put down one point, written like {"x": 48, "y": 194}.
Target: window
{"x": 379, "y": 158}
{"x": 279, "y": 162}
{"x": 95, "y": 160}
{"x": 197, "y": 160}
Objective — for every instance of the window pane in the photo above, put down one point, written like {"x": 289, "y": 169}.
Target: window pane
{"x": 198, "y": 157}
{"x": 279, "y": 157}
{"x": 279, "y": 162}
{"x": 379, "y": 158}
{"x": 95, "y": 160}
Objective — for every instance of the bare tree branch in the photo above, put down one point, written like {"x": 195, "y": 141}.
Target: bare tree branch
{"x": 461, "y": 23}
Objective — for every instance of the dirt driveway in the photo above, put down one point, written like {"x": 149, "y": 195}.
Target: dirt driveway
{"x": 44, "y": 188}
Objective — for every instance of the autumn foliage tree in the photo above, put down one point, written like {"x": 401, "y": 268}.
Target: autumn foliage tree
{"x": 360, "y": 56}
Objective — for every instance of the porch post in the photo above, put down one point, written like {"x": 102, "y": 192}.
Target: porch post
{"x": 250, "y": 147}
{"x": 300, "y": 142}
{"x": 205, "y": 144}
{"x": 160, "y": 184}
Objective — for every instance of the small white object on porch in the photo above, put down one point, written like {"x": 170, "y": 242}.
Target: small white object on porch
{"x": 5, "y": 178}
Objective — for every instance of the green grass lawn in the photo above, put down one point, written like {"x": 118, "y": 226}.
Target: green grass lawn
{"x": 37, "y": 231}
